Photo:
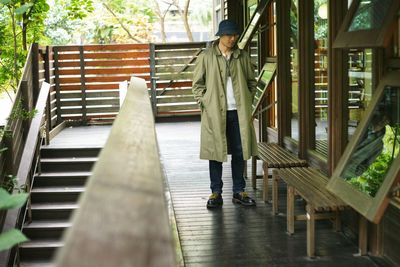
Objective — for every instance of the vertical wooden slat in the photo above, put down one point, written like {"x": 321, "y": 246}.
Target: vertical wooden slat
{"x": 306, "y": 76}
{"x": 337, "y": 79}
{"x": 283, "y": 69}
{"x": 35, "y": 73}
{"x": 83, "y": 85}
{"x": 26, "y": 104}
{"x": 153, "y": 79}
{"x": 46, "y": 57}
{"x": 57, "y": 81}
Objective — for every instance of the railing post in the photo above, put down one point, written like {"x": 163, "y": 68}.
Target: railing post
{"x": 153, "y": 79}
{"x": 46, "y": 57}
{"x": 57, "y": 82}
{"x": 35, "y": 73}
{"x": 83, "y": 85}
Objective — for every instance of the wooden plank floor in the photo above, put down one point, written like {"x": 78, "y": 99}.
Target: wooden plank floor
{"x": 236, "y": 235}
{"x": 233, "y": 235}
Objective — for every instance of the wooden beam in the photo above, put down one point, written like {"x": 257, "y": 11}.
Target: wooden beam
{"x": 283, "y": 69}
{"x": 122, "y": 218}
{"x": 337, "y": 87}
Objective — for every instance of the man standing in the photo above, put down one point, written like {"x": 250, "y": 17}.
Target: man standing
{"x": 224, "y": 86}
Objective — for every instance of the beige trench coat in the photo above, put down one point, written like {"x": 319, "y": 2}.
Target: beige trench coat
{"x": 209, "y": 89}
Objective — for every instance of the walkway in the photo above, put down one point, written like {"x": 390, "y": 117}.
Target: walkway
{"x": 235, "y": 235}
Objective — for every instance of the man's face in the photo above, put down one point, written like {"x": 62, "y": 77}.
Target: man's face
{"x": 229, "y": 40}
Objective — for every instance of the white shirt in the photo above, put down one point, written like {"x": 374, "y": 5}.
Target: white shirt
{"x": 230, "y": 96}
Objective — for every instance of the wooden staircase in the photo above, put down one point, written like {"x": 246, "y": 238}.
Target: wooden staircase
{"x": 55, "y": 193}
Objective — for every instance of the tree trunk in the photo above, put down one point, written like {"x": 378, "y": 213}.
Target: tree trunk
{"x": 15, "y": 67}
{"x": 184, "y": 15}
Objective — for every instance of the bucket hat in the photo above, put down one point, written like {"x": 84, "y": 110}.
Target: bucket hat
{"x": 227, "y": 27}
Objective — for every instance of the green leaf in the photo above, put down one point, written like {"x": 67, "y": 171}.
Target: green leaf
{"x": 11, "y": 238}
{"x": 8, "y": 201}
{"x": 22, "y": 9}
{"x": 5, "y": 2}
{"x": 3, "y": 149}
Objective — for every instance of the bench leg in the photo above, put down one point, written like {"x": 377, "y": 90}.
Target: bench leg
{"x": 290, "y": 210}
{"x": 310, "y": 231}
{"x": 275, "y": 179}
{"x": 245, "y": 169}
{"x": 254, "y": 172}
{"x": 363, "y": 236}
{"x": 265, "y": 182}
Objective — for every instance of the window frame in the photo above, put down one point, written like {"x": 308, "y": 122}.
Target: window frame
{"x": 365, "y": 38}
{"x": 260, "y": 94}
{"x": 371, "y": 208}
{"x": 251, "y": 28}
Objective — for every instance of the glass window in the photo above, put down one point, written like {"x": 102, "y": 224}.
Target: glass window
{"x": 367, "y": 24}
{"x": 370, "y": 163}
{"x": 321, "y": 76}
{"x": 370, "y": 14}
{"x": 378, "y": 145}
{"x": 360, "y": 86}
{"x": 294, "y": 69}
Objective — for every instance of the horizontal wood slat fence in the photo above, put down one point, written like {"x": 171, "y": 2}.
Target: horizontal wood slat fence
{"x": 87, "y": 78}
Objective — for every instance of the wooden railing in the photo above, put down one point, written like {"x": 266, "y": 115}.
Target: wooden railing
{"x": 122, "y": 218}
{"x": 29, "y": 163}
{"x": 36, "y": 70}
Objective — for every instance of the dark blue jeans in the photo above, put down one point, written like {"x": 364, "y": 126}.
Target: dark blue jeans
{"x": 237, "y": 162}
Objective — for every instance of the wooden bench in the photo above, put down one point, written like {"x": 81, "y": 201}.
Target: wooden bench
{"x": 273, "y": 156}
{"x": 310, "y": 184}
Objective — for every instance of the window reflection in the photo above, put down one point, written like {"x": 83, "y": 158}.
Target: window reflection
{"x": 370, "y": 15}
{"x": 378, "y": 146}
{"x": 321, "y": 76}
{"x": 294, "y": 69}
{"x": 360, "y": 86}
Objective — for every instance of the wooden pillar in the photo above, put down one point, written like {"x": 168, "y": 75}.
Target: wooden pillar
{"x": 306, "y": 76}
{"x": 284, "y": 94}
{"x": 337, "y": 86}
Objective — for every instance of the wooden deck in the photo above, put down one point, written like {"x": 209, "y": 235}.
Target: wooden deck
{"x": 233, "y": 235}
{"x": 236, "y": 235}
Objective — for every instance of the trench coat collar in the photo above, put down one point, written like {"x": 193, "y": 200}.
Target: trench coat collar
{"x": 235, "y": 50}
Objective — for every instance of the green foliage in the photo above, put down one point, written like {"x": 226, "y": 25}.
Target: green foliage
{"x": 11, "y": 238}
{"x": 19, "y": 112}
{"x": 78, "y": 9}
{"x": 372, "y": 178}
{"x": 11, "y": 201}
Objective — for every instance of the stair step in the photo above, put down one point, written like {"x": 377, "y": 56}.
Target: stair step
{"x": 53, "y": 152}
{"x": 67, "y": 164}
{"x": 56, "y": 194}
{"x": 61, "y": 179}
{"x": 46, "y": 229}
{"x": 53, "y": 211}
{"x": 39, "y": 249}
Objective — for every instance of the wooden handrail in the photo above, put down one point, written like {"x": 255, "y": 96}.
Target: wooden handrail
{"x": 122, "y": 218}
{"x": 28, "y": 160}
